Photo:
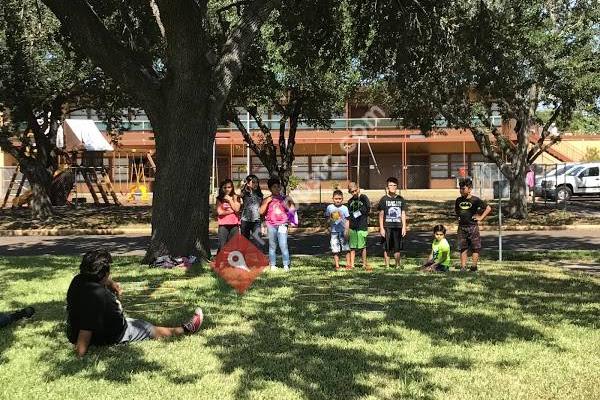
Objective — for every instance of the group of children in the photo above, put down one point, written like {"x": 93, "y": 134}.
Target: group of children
{"x": 349, "y": 227}
{"x": 348, "y": 223}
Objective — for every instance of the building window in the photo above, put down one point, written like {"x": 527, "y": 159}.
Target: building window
{"x": 458, "y": 166}
{"x": 439, "y": 166}
{"x": 239, "y": 169}
{"x": 301, "y": 167}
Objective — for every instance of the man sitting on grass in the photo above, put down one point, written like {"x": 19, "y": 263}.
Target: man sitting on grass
{"x": 95, "y": 315}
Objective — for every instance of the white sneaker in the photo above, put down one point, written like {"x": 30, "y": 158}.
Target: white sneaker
{"x": 286, "y": 268}
{"x": 274, "y": 268}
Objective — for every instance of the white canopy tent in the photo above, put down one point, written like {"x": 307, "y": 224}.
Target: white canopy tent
{"x": 82, "y": 134}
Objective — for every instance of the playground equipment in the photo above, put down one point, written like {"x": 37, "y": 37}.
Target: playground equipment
{"x": 95, "y": 178}
{"x": 139, "y": 190}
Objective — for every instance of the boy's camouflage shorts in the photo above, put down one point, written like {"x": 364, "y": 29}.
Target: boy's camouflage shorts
{"x": 469, "y": 238}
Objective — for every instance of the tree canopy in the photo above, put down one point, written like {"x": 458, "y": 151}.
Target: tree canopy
{"x": 41, "y": 78}
{"x": 531, "y": 62}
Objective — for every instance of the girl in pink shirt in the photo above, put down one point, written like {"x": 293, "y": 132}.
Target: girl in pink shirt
{"x": 228, "y": 212}
{"x": 276, "y": 208}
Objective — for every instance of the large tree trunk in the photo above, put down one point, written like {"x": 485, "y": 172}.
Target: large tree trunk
{"x": 181, "y": 211}
{"x": 517, "y": 206}
{"x": 40, "y": 181}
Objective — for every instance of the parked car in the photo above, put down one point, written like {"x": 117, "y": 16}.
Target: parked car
{"x": 580, "y": 180}
{"x": 551, "y": 174}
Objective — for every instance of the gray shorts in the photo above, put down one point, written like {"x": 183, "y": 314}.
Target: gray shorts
{"x": 338, "y": 243}
{"x": 136, "y": 330}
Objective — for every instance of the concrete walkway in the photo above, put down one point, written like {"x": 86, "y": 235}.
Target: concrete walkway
{"x": 301, "y": 244}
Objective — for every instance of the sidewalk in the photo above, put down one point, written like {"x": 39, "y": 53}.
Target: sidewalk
{"x": 303, "y": 243}
{"x": 148, "y": 230}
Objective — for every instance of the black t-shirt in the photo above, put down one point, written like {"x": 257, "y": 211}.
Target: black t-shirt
{"x": 466, "y": 208}
{"x": 392, "y": 208}
{"x": 92, "y": 307}
{"x": 359, "y": 208}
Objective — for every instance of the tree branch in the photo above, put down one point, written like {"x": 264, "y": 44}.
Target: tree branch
{"x": 233, "y": 117}
{"x": 235, "y": 48}
{"x": 294, "y": 117}
{"x": 485, "y": 145}
{"x": 90, "y": 34}
{"x": 533, "y": 156}
{"x": 269, "y": 153}
{"x": 282, "y": 145}
{"x": 543, "y": 136}
{"x": 156, "y": 13}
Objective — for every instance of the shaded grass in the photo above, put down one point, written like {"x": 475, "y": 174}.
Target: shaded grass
{"x": 520, "y": 330}
{"x": 420, "y": 214}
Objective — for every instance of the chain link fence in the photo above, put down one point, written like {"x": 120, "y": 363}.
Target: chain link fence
{"x": 313, "y": 181}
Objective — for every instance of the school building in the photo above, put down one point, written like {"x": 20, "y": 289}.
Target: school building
{"x": 359, "y": 147}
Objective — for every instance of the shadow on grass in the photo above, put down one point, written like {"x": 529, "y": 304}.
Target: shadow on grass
{"x": 30, "y": 269}
{"x": 44, "y": 311}
{"x": 303, "y": 327}
{"x": 282, "y": 347}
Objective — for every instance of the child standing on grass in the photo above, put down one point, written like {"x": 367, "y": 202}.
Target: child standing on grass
{"x": 276, "y": 208}
{"x": 359, "y": 206}
{"x": 392, "y": 221}
{"x": 228, "y": 212}
{"x": 470, "y": 210}
{"x": 439, "y": 259}
{"x": 337, "y": 215}
{"x": 252, "y": 198}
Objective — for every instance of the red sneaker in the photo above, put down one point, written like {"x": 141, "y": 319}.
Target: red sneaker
{"x": 193, "y": 325}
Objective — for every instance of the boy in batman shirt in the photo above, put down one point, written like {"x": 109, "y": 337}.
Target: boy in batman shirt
{"x": 470, "y": 210}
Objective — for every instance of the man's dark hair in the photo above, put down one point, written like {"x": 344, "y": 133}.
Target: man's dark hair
{"x": 465, "y": 182}
{"x": 439, "y": 228}
{"x": 338, "y": 192}
{"x": 391, "y": 179}
{"x": 96, "y": 263}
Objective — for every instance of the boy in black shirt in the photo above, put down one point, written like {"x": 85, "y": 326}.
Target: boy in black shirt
{"x": 359, "y": 206}
{"x": 392, "y": 221}
{"x": 469, "y": 211}
{"x": 95, "y": 315}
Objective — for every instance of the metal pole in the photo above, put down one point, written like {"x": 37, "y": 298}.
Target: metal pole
{"x": 544, "y": 187}
{"x": 320, "y": 199}
{"x": 499, "y": 217}
{"x": 358, "y": 165}
{"x": 565, "y": 187}
{"x": 556, "y": 185}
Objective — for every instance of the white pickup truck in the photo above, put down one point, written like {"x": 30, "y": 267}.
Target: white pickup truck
{"x": 581, "y": 180}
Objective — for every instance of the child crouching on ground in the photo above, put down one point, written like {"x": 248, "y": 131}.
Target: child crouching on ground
{"x": 339, "y": 225}
{"x": 439, "y": 259}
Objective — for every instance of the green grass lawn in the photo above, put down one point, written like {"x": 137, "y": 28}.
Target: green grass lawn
{"x": 520, "y": 330}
